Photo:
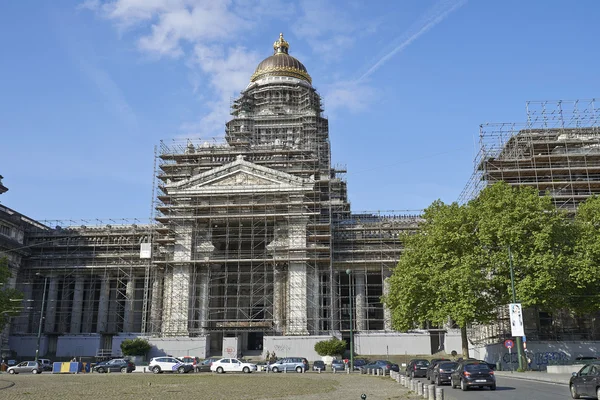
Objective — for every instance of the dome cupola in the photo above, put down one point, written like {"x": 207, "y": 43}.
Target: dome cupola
{"x": 281, "y": 64}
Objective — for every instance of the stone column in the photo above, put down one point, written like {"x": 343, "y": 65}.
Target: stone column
{"x": 297, "y": 315}
{"x": 335, "y": 298}
{"x": 203, "y": 301}
{"x": 156, "y": 305}
{"x": 88, "y": 306}
{"x": 102, "y": 323}
{"x": 314, "y": 300}
{"x": 22, "y": 321}
{"x": 278, "y": 295}
{"x": 77, "y": 309}
{"x": 50, "y": 324}
{"x": 129, "y": 312}
{"x": 359, "y": 292}
{"x": 64, "y": 307}
{"x": 387, "y": 313}
{"x": 177, "y": 285}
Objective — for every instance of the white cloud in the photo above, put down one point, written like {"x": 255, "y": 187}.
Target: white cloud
{"x": 351, "y": 95}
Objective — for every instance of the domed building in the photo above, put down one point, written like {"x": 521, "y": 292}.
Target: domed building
{"x": 254, "y": 247}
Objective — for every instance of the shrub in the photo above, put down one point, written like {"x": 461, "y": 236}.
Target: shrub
{"x": 135, "y": 347}
{"x": 332, "y": 347}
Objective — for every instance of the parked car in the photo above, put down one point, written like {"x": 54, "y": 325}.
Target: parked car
{"x": 359, "y": 362}
{"x": 381, "y": 364}
{"x": 193, "y": 361}
{"x": 204, "y": 365}
{"x": 584, "y": 359}
{"x": 26, "y": 366}
{"x": 432, "y": 364}
{"x": 319, "y": 365}
{"x": 115, "y": 365}
{"x": 417, "y": 368}
{"x": 46, "y": 364}
{"x": 470, "y": 373}
{"x": 338, "y": 365}
{"x": 232, "y": 365}
{"x": 586, "y": 382}
{"x": 442, "y": 371}
{"x": 169, "y": 364}
{"x": 289, "y": 364}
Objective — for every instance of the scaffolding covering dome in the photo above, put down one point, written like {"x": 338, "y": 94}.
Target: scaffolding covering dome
{"x": 281, "y": 64}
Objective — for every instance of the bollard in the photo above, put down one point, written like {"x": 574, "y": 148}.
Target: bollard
{"x": 432, "y": 392}
{"x": 348, "y": 371}
{"x": 285, "y": 370}
{"x": 439, "y": 393}
{"x": 402, "y": 380}
{"x": 419, "y": 388}
{"x": 333, "y": 369}
{"x": 319, "y": 369}
{"x": 144, "y": 370}
{"x": 426, "y": 391}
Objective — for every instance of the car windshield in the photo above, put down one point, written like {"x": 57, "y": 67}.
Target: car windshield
{"x": 476, "y": 367}
{"x": 422, "y": 363}
{"x": 446, "y": 366}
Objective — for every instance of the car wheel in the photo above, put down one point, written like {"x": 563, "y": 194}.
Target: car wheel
{"x": 598, "y": 393}
{"x": 156, "y": 370}
{"x": 463, "y": 386}
{"x": 220, "y": 370}
{"x": 574, "y": 393}
{"x": 493, "y": 387}
{"x": 100, "y": 370}
{"x": 181, "y": 370}
{"x": 124, "y": 370}
{"x": 299, "y": 369}
{"x": 275, "y": 369}
{"x": 11, "y": 371}
{"x": 246, "y": 370}
{"x": 438, "y": 381}
{"x": 35, "y": 371}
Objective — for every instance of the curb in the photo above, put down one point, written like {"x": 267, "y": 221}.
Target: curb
{"x": 530, "y": 378}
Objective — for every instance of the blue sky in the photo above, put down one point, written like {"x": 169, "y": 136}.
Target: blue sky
{"x": 88, "y": 88}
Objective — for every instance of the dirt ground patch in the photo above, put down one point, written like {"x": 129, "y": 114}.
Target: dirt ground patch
{"x": 309, "y": 386}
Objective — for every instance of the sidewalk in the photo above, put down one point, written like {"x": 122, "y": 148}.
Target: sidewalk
{"x": 559, "y": 379}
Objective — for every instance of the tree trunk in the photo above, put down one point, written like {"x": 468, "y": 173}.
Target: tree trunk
{"x": 465, "y": 342}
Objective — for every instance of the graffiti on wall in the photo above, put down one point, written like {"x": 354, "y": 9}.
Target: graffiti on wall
{"x": 541, "y": 358}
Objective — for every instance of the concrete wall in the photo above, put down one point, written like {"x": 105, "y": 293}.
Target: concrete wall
{"x": 77, "y": 345}
{"x": 541, "y": 354}
{"x": 293, "y": 346}
{"x": 452, "y": 341}
{"x": 392, "y": 343}
{"x": 179, "y": 347}
{"x": 25, "y": 346}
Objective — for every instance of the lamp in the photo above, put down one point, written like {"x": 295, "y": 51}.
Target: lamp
{"x": 39, "y": 336}
{"x": 349, "y": 272}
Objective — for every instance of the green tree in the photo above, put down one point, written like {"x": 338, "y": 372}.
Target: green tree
{"x": 585, "y": 273}
{"x": 457, "y": 265}
{"x": 10, "y": 299}
{"x": 332, "y": 347}
{"x": 135, "y": 347}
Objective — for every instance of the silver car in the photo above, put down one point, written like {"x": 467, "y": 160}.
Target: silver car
{"x": 26, "y": 366}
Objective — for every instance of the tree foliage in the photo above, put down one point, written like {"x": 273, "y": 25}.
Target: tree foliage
{"x": 332, "y": 347}
{"x": 457, "y": 264}
{"x": 10, "y": 299}
{"x": 135, "y": 347}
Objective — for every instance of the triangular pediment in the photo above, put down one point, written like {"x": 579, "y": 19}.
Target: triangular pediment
{"x": 240, "y": 176}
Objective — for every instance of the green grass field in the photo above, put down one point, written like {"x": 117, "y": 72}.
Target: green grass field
{"x": 148, "y": 386}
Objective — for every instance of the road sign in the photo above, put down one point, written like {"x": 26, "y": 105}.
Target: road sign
{"x": 509, "y": 344}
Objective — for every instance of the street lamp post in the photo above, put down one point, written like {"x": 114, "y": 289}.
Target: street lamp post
{"x": 520, "y": 349}
{"x": 349, "y": 272}
{"x": 39, "y": 336}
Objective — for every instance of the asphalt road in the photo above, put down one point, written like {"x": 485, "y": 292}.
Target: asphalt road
{"x": 509, "y": 388}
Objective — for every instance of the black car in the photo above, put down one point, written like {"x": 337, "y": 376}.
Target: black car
{"x": 442, "y": 371}
{"x": 417, "y": 368}
{"x": 115, "y": 365}
{"x": 387, "y": 366}
{"x": 319, "y": 365}
{"x": 471, "y": 373}
{"x": 432, "y": 364}
{"x": 586, "y": 382}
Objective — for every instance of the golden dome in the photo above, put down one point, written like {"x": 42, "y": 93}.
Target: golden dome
{"x": 281, "y": 64}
